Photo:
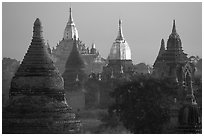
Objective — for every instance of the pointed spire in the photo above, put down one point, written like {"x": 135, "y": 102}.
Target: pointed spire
{"x": 70, "y": 29}
{"x": 37, "y": 29}
{"x": 174, "y": 27}
{"x": 70, "y": 16}
{"x": 161, "y": 51}
{"x": 162, "y": 48}
{"x": 162, "y": 42}
{"x": 120, "y": 33}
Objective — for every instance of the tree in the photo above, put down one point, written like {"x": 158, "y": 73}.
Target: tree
{"x": 143, "y": 105}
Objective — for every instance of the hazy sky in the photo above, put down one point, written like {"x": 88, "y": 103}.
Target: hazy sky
{"x": 144, "y": 25}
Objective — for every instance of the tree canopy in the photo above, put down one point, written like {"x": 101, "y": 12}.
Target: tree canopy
{"x": 143, "y": 104}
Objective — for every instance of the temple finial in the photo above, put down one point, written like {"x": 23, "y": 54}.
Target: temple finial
{"x": 120, "y": 33}
{"x": 162, "y": 44}
{"x": 70, "y": 15}
{"x": 174, "y": 27}
{"x": 162, "y": 48}
{"x": 37, "y": 28}
{"x": 162, "y": 41}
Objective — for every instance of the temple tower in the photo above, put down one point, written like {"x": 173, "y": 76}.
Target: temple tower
{"x": 37, "y": 73}
{"x": 74, "y": 78}
{"x": 120, "y": 54}
{"x": 74, "y": 68}
{"x": 161, "y": 51}
{"x": 37, "y": 99}
{"x": 173, "y": 58}
{"x": 64, "y": 47}
{"x": 70, "y": 29}
{"x": 159, "y": 66}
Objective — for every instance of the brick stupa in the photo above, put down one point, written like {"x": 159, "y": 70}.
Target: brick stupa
{"x": 37, "y": 98}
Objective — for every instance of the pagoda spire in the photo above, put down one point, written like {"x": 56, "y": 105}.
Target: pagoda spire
{"x": 161, "y": 51}
{"x": 70, "y": 16}
{"x": 70, "y": 29}
{"x": 162, "y": 48}
{"x": 174, "y": 27}
{"x": 120, "y": 33}
{"x": 37, "y": 29}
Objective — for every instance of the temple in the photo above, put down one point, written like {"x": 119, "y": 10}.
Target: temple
{"x": 169, "y": 62}
{"x": 70, "y": 29}
{"x": 172, "y": 64}
{"x": 119, "y": 59}
{"x": 93, "y": 60}
{"x": 37, "y": 102}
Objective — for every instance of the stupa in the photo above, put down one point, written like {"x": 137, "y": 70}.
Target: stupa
{"x": 119, "y": 56}
{"x": 37, "y": 99}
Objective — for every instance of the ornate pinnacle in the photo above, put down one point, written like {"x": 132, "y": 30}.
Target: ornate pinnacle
{"x": 70, "y": 16}
{"x": 120, "y": 33}
{"x": 37, "y": 29}
{"x": 174, "y": 27}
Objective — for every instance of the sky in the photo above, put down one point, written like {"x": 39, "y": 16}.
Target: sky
{"x": 144, "y": 25}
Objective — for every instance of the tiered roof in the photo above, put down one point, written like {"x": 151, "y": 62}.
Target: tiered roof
{"x": 37, "y": 73}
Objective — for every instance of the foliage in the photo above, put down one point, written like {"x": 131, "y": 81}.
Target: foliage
{"x": 198, "y": 90}
{"x": 143, "y": 104}
{"x": 9, "y": 67}
{"x": 110, "y": 124}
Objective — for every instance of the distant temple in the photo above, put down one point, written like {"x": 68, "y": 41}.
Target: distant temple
{"x": 172, "y": 64}
{"x": 92, "y": 59}
{"x": 119, "y": 59}
{"x": 170, "y": 61}
{"x": 74, "y": 78}
{"x": 37, "y": 102}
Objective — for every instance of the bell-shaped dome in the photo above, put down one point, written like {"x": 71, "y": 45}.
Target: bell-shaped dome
{"x": 120, "y": 49}
{"x": 70, "y": 29}
{"x": 37, "y": 73}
